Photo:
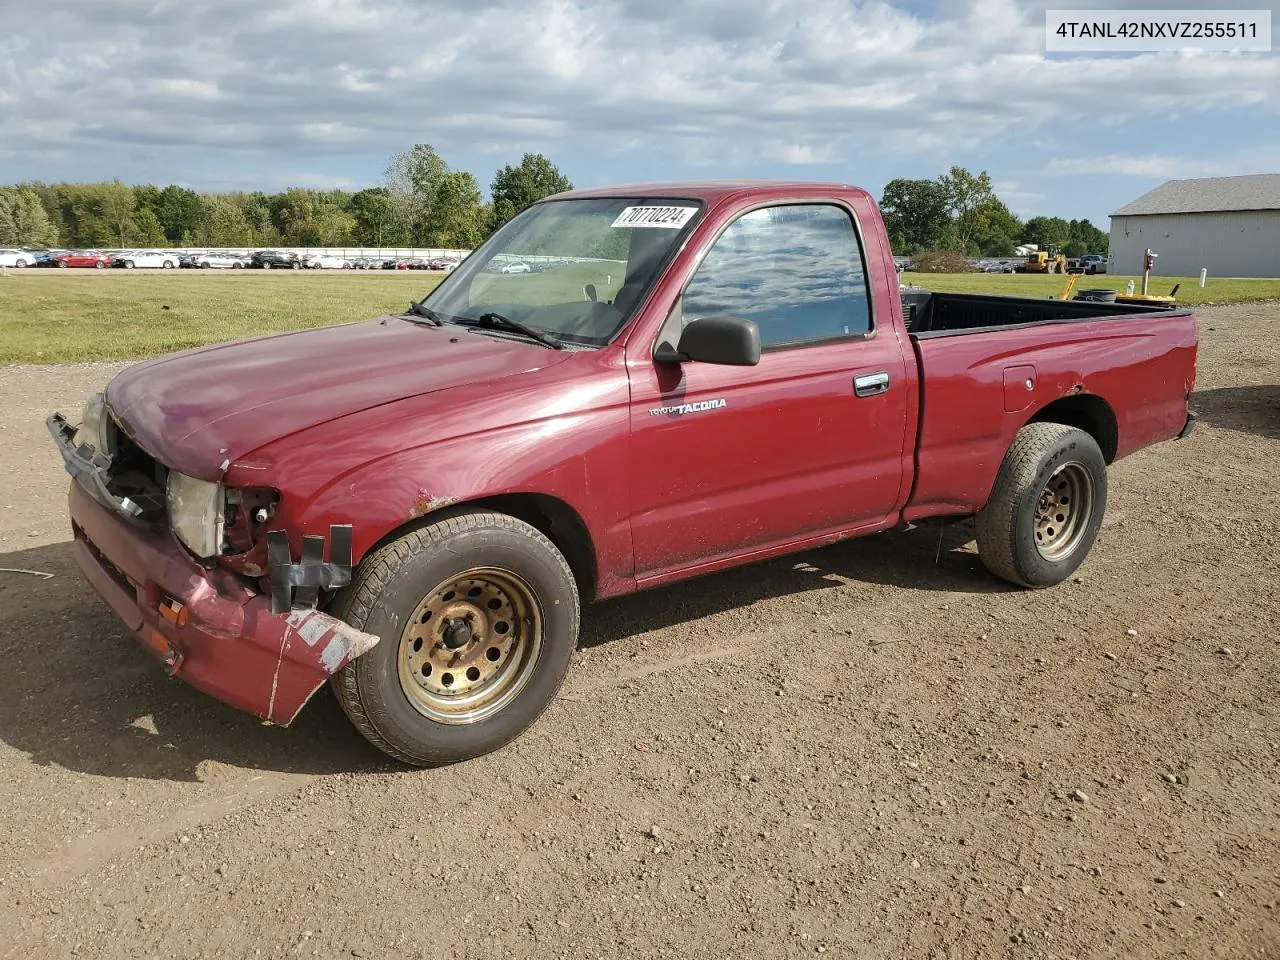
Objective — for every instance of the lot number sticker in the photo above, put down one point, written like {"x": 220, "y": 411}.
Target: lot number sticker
{"x": 671, "y": 218}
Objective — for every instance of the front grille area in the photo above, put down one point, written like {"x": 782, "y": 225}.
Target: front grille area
{"x": 116, "y": 574}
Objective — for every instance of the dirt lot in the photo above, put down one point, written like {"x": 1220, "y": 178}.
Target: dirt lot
{"x": 873, "y": 750}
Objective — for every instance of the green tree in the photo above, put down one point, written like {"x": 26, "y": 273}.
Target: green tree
{"x": 457, "y": 210}
{"x": 116, "y": 204}
{"x": 377, "y": 221}
{"x": 412, "y": 180}
{"x": 23, "y": 220}
{"x": 965, "y": 194}
{"x": 146, "y": 230}
{"x": 180, "y": 211}
{"x": 1084, "y": 237}
{"x": 990, "y": 228}
{"x": 1046, "y": 231}
{"x": 515, "y": 188}
{"x": 915, "y": 214}
{"x": 223, "y": 224}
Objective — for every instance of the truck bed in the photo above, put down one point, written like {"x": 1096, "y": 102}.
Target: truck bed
{"x": 929, "y": 314}
{"x": 989, "y": 365}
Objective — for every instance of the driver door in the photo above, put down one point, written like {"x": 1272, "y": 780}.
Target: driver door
{"x": 731, "y": 460}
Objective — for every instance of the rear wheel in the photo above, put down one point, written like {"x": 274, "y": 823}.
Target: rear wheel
{"x": 478, "y": 615}
{"x": 128, "y": 265}
{"x": 1046, "y": 508}
{"x": 100, "y": 265}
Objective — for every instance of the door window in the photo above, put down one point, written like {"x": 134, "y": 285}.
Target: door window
{"x": 796, "y": 270}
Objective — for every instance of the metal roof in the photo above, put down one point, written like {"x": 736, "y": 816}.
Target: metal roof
{"x": 1259, "y": 191}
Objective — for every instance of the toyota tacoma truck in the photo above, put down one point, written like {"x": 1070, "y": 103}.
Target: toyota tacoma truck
{"x": 693, "y": 376}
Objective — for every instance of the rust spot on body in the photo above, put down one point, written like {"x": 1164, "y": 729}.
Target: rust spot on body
{"x": 425, "y": 503}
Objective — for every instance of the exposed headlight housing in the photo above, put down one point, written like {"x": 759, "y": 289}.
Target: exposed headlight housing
{"x": 196, "y": 514}
{"x": 96, "y": 427}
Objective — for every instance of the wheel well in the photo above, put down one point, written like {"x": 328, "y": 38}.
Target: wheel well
{"x": 1089, "y": 413}
{"x": 555, "y": 519}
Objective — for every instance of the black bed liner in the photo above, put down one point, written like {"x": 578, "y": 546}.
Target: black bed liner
{"x": 929, "y": 314}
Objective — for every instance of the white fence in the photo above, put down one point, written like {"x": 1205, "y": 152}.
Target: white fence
{"x": 347, "y": 253}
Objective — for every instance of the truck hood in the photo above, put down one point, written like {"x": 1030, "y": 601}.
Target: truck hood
{"x": 199, "y": 410}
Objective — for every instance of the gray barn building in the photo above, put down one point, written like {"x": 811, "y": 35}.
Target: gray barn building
{"x": 1227, "y": 225}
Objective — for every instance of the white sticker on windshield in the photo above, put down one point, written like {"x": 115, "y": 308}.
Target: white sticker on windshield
{"x": 672, "y": 218}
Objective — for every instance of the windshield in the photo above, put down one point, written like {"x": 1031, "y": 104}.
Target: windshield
{"x": 574, "y": 268}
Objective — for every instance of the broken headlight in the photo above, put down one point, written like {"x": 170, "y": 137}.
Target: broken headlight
{"x": 96, "y": 427}
{"x": 196, "y": 514}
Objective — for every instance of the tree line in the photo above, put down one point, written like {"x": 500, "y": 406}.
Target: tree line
{"x": 960, "y": 213}
{"x": 421, "y": 202}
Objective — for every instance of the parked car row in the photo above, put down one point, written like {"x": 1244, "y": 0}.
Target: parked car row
{"x": 258, "y": 260}
{"x": 1089, "y": 263}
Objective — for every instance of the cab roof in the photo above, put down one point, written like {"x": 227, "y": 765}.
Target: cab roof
{"x": 711, "y": 191}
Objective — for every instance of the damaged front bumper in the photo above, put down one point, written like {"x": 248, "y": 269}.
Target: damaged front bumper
{"x": 208, "y": 626}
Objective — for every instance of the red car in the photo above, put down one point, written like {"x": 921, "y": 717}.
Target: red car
{"x": 416, "y": 506}
{"x": 84, "y": 258}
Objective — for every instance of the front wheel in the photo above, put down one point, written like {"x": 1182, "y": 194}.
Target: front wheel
{"x": 1046, "y": 508}
{"x": 478, "y": 615}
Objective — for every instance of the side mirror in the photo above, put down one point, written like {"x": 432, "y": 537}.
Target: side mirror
{"x": 731, "y": 341}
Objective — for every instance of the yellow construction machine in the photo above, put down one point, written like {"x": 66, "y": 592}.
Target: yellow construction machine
{"x": 1049, "y": 260}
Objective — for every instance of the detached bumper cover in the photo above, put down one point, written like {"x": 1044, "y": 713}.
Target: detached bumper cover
{"x": 207, "y": 626}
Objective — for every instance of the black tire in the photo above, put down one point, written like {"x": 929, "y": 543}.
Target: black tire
{"x": 1011, "y": 527}
{"x": 389, "y": 588}
{"x": 128, "y": 264}
{"x": 297, "y": 265}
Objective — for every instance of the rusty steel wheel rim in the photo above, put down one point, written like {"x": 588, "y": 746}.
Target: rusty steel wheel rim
{"x": 1063, "y": 511}
{"x": 471, "y": 646}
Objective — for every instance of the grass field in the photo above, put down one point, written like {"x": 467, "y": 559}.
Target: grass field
{"x": 62, "y": 316}
{"x": 1036, "y": 285}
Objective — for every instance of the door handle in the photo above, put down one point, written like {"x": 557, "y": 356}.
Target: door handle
{"x": 871, "y": 384}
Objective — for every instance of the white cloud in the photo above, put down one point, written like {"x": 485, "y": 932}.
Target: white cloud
{"x": 1159, "y": 167}
{"x": 806, "y": 82}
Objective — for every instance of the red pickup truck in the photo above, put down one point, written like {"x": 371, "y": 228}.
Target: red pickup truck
{"x": 688, "y": 377}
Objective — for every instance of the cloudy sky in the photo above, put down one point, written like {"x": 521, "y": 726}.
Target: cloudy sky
{"x": 219, "y": 94}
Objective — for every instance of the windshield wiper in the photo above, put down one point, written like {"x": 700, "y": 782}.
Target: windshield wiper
{"x": 418, "y": 310}
{"x": 498, "y": 321}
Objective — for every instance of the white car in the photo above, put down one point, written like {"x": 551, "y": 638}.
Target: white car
{"x": 16, "y": 258}
{"x": 151, "y": 259}
{"x": 323, "y": 261}
{"x": 516, "y": 268}
{"x": 219, "y": 261}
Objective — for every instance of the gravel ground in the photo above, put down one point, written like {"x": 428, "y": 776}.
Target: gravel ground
{"x": 871, "y": 750}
